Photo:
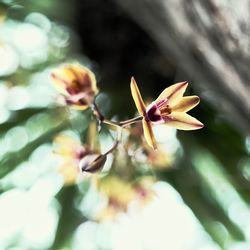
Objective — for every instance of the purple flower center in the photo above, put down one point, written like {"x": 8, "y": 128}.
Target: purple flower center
{"x": 157, "y": 111}
{"x": 153, "y": 113}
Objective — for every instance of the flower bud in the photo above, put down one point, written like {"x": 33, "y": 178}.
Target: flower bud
{"x": 92, "y": 163}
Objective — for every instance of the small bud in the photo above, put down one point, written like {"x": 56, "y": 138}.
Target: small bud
{"x": 92, "y": 163}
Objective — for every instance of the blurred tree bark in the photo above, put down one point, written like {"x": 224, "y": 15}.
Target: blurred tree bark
{"x": 209, "y": 41}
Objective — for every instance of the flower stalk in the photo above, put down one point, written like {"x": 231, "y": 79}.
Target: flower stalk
{"x": 123, "y": 124}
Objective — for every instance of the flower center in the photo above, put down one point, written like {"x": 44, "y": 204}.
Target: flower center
{"x": 165, "y": 110}
{"x": 156, "y": 111}
{"x": 153, "y": 114}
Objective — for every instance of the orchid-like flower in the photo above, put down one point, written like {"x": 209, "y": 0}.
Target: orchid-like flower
{"x": 77, "y": 83}
{"x": 169, "y": 108}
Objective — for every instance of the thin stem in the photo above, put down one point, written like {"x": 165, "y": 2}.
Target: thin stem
{"x": 112, "y": 123}
{"x": 117, "y": 141}
{"x": 118, "y": 125}
{"x": 97, "y": 112}
{"x": 102, "y": 119}
{"x": 131, "y": 121}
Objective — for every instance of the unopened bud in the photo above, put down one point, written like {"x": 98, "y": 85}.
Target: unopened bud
{"x": 92, "y": 163}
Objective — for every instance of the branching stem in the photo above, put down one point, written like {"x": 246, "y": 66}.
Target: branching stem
{"x": 118, "y": 125}
{"x": 102, "y": 119}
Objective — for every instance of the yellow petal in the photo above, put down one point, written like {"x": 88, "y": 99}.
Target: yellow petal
{"x": 69, "y": 172}
{"x": 186, "y": 103}
{"x": 79, "y": 107}
{"x": 139, "y": 103}
{"x": 183, "y": 121}
{"x": 66, "y": 146}
{"x": 148, "y": 134}
{"x": 173, "y": 93}
{"x": 75, "y": 77}
{"x": 83, "y": 76}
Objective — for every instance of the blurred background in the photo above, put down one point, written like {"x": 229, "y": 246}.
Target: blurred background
{"x": 194, "y": 193}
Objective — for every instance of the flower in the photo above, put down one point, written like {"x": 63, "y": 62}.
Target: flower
{"x": 76, "y": 158}
{"x": 144, "y": 190}
{"x": 142, "y": 153}
{"x": 158, "y": 159}
{"x": 77, "y": 83}
{"x": 123, "y": 196}
{"x": 118, "y": 192}
{"x": 169, "y": 108}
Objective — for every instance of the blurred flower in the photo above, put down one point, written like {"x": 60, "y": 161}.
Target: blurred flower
{"x": 158, "y": 159}
{"x": 122, "y": 195}
{"x": 77, "y": 83}
{"x": 169, "y": 108}
{"x": 9, "y": 60}
{"x": 76, "y": 158}
{"x": 161, "y": 158}
{"x": 119, "y": 194}
{"x": 144, "y": 190}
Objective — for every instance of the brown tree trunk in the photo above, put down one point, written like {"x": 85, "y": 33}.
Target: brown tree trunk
{"x": 209, "y": 41}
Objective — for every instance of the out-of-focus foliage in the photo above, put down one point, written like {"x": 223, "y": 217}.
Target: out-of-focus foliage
{"x": 193, "y": 193}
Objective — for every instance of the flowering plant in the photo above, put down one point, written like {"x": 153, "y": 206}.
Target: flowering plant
{"x": 77, "y": 84}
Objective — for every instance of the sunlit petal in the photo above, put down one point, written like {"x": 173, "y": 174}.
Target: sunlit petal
{"x": 72, "y": 79}
{"x": 173, "y": 93}
{"x": 148, "y": 133}
{"x": 83, "y": 76}
{"x": 182, "y": 121}
{"x": 69, "y": 172}
{"x": 137, "y": 97}
{"x": 186, "y": 103}
{"x": 79, "y": 107}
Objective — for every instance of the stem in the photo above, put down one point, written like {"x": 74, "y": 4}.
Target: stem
{"x": 131, "y": 121}
{"x": 102, "y": 119}
{"x": 97, "y": 112}
{"x": 118, "y": 139}
{"x": 112, "y": 123}
{"x": 118, "y": 125}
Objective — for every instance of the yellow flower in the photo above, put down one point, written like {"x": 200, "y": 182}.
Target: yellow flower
{"x": 122, "y": 195}
{"x": 77, "y": 83}
{"x": 169, "y": 108}
{"x": 144, "y": 190}
{"x": 76, "y": 158}
{"x": 119, "y": 194}
{"x": 159, "y": 159}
